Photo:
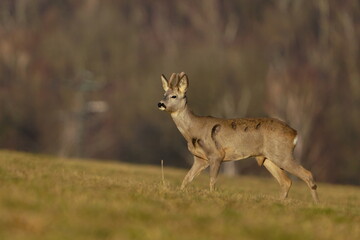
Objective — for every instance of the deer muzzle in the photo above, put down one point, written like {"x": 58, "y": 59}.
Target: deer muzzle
{"x": 161, "y": 106}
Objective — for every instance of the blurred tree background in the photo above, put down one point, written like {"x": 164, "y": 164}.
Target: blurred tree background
{"x": 82, "y": 77}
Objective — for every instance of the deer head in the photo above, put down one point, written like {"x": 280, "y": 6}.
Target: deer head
{"x": 175, "y": 92}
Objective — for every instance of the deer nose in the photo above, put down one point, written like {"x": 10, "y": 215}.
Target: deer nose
{"x": 161, "y": 105}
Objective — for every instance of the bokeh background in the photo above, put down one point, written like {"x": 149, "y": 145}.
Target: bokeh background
{"x": 81, "y": 78}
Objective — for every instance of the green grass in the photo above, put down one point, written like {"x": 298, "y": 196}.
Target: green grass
{"x": 43, "y": 197}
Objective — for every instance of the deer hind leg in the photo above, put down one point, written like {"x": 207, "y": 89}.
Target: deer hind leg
{"x": 198, "y": 165}
{"x": 279, "y": 175}
{"x": 294, "y": 168}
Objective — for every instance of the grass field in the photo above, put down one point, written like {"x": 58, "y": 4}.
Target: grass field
{"x": 43, "y": 197}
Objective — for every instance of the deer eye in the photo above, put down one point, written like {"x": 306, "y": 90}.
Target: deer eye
{"x": 173, "y": 96}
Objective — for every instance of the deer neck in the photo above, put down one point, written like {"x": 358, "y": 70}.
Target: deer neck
{"x": 186, "y": 121}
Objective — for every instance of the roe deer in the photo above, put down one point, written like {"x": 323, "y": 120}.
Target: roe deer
{"x": 214, "y": 140}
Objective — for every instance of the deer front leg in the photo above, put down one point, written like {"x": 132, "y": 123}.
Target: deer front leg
{"x": 214, "y": 171}
{"x": 198, "y": 165}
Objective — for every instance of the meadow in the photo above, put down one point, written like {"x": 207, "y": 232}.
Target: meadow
{"x": 43, "y": 197}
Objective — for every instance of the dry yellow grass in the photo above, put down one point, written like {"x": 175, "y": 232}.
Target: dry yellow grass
{"x": 43, "y": 197}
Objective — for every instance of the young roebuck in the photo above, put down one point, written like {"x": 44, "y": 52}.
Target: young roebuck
{"x": 214, "y": 140}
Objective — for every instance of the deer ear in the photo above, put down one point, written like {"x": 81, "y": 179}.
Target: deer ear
{"x": 181, "y": 75}
{"x": 165, "y": 83}
{"x": 183, "y": 83}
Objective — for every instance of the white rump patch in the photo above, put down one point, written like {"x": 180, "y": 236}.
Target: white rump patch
{"x": 295, "y": 140}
